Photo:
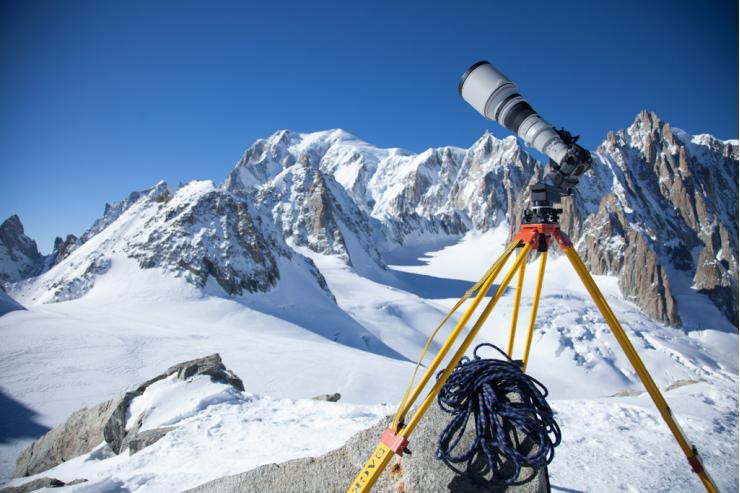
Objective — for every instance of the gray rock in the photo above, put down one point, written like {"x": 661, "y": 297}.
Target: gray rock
{"x": 682, "y": 383}
{"x": 214, "y": 217}
{"x": 418, "y": 472}
{"x": 211, "y": 366}
{"x": 34, "y": 485}
{"x": 146, "y": 438}
{"x": 76, "y": 481}
{"x": 328, "y": 397}
{"x": 21, "y": 257}
{"x": 62, "y": 248}
{"x": 86, "y": 428}
{"x": 83, "y": 431}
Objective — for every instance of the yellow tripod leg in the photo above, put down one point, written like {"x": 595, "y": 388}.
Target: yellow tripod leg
{"x": 535, "y": 305}
{"x": 406, "y": 430}
{"x": 515, "y": 313}
{"x": 689, "y": 450}
{"x": 382, "y": 455}
{"x": 372, "y": 469}
{"x": 409, "y": 400}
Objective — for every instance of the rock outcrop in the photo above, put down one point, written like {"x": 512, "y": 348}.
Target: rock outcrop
{"x": 207, "y": 233}
{"x": 87, "y": 428}
{"x": 657, "y": 201}
{"x": 34, "y": 485}
{"x": 63, "y": 247}
{"x": 655, "y": 197}
{"x": 658, "y": 210}
{"x": 84, "y": 430}
{"x": 611, "y": 246}
{"x": 40, "y": 483}
{"x": 418, "y": 472}
{"x": 328, "y": 397}
{"x": 200, "y": 233}
{"x": 19, "y": 255}
{"x": 143, "y": 439}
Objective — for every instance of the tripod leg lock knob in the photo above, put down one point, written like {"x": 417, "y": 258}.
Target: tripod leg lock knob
{"x": 396, "y": 443}
{"x": 695, "y": 461}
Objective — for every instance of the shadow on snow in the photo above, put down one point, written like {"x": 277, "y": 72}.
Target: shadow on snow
{"x": 17, "y": 420}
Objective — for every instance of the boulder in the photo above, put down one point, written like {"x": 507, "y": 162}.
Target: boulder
{"x": 83, "y": 431}
{"x": 34, "y": 485}
{"x": 39, "y": 483}
{"x": 328, "y": 397}
{"x": 86, "y": 428}
{"x": 210, "y": 365}
{"x": 418, "y": 472}
{"x": 146, "y": 438}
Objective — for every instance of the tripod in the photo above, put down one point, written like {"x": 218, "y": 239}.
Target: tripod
{"x": 538, "y": 230}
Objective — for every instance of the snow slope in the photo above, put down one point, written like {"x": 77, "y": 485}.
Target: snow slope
{"x": 8, "y": 304}
{"x": 133, "y": 323}
{"x": 239, "y": 430}
{"x": 322, "y": 265}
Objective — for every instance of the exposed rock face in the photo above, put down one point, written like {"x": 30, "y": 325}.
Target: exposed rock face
{"x": 210, "y": 365}
{"x": 158, "y": 193}
{"x": 83, "y": 431}
{"x": 19, "y": 255}
{"x": 646, "y": 281}
{"x": 418, "y": 472}
{"x": 610, "y": 245}
{"x": 657, "y": 201}
{"x": 314, "y": 211}
{"x": 208, "y": 234}
{"x": 654, "y": 198}
{"x": 200, "y": 233}
{"x": 658, "y": 210}
{"x": 87, "y": 428}
{"x": 34, "y": 485}
{"x": 63, "y": 247}
{"x": 385, "y": 196}
{"x": 75, "y": 281}
{"x": 328, "y": 397}
{"x": 145, "y": 438}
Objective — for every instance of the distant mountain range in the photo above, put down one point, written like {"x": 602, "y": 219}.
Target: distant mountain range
{"x": 659, "y": 211}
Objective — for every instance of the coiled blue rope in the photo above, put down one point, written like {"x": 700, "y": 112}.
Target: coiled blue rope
{"x": 501, "y": 398}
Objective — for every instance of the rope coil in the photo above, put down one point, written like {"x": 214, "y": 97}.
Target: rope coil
{"x": 503, "y": 401}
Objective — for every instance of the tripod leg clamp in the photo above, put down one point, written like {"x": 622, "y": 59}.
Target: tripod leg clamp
{"x": 396, "y": 443}
{"x": 695, "y": 462}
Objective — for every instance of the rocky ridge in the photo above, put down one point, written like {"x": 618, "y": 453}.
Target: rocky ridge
{"x": 658, "y": 210}
{"x": 660, "y": 205}
{"x": 198, "y": 232}
{"x": 19, "y": 255}
{"x": 106, "y": 423}
{"x": 417, "y": 472}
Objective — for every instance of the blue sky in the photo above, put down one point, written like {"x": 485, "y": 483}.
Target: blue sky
{"x": 100, "y": 98}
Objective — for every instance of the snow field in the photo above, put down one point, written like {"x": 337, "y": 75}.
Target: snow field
{"x": 133, "y": 324}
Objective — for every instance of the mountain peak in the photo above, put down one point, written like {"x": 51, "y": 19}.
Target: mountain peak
{"x": 647, "y": 117}
{"x": 19, "y": 255}
{"x": 12, "y": 223}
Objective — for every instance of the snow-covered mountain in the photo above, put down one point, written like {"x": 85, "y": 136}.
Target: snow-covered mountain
{"x": 658, "y": 210}
{"x": 19, "y": 255}
{"x": 403, "y": 198}
{"x": 323, "y": 263}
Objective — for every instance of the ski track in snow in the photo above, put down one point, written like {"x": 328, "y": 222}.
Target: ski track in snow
{"x": 133, "y": 324}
